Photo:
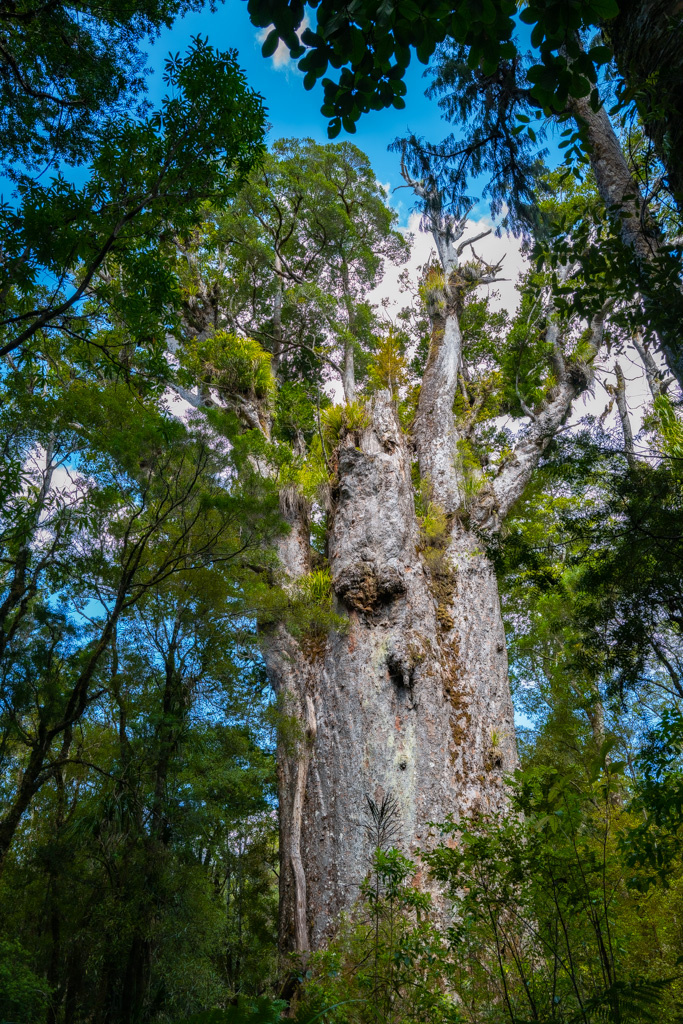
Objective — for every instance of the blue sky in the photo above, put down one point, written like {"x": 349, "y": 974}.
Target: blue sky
{"x": 292, "y": 111}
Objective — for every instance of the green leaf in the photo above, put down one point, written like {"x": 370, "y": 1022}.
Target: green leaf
{"x": 270, "y": 44}
{"x": 600, "y": 54}
{"x": 605, "y": 10}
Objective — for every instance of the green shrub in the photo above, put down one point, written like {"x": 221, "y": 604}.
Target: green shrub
{"x": 389, "y": 962}
{"x": 434, "y": 528}
{"x": 246, "y": 1011}
{"x": 23, "y": 995}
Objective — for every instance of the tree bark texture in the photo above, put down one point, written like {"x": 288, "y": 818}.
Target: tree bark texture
{"x": 412, "y": 699}
{"x": 622, "y": 195}
{"x": 647, "y": 37}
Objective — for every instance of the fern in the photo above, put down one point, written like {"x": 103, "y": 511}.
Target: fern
{"x": 626, "y": 1001}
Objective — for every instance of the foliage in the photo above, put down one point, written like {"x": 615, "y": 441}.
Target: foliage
{"x": 23, "y": 998}
{"x": 545, "y": 929}
{"x": 132, "y": 718}
{"x": 245, "y": 1011}
{"x": 138, "y": 565}
{"x": 162, "y": 813}
{"x": 312, "y": 613}
{"x": 339, "y": 420}
{"x": 317, "y": 587}
{"x": 653, "y": 846}
{"x": 230, "y": 364}
{"x": 291, "y": 259}
{"x": 100, "y": 242}
{"x": 671, "y": 429}
{"x": 470, "y": 470}
{"x": 365, "y": 42}
{"x": 67, "y": 69}
{"x": 389, "y": 962}
{"x": 388, "y": 367}
{"x": 594, "y": 572}
{"x": 434, "y": 526}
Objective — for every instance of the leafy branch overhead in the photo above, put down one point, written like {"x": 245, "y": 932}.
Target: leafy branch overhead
{"x": 373, "y": 46}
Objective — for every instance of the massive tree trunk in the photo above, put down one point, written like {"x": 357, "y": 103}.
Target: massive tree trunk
{"x": 412, "y": 700}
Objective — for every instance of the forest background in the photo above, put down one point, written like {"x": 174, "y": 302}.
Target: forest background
{"x": 174, "y": 362}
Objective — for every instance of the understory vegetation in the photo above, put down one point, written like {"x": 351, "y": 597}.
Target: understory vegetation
{"x": 190, "y": 345}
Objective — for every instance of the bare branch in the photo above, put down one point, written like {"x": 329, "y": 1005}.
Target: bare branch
{"x": 471, "y": 241}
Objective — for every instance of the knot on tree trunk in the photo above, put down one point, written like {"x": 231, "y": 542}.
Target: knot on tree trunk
{"x": 373, "y": 537}
{"x": 405, "y": 654}
{"x": 364, "y": 586}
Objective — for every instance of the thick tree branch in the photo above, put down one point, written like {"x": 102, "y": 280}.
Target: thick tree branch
{"x": 620, "y": 395}
{"x": 622, "y": 196}
{"x": 656, "y": 380}
{"x": 497, "y": 498}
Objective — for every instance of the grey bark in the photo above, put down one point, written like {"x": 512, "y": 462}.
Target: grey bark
{"x": 349, "y": 373}
{"x": 413, "y": 698}
{"x": 277, "y": 314}
{"x": 616, "y": 184}
{"x": 348, "y": 366}
{"x": 656, "y": 381}
{"x": 621, "y": 193}
{"x": 622, "y": 408}
{"x": 647, "y": 37}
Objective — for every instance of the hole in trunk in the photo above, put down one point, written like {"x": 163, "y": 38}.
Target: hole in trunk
{"x": 401, "y": 676}
{"x": 395, "y": 671}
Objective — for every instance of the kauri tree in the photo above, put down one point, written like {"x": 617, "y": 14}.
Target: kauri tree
{"x": 392, "y": 501}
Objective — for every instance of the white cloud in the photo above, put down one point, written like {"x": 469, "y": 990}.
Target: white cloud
{"x": 638, "y": 396}
{"x": 281, "y": 59}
